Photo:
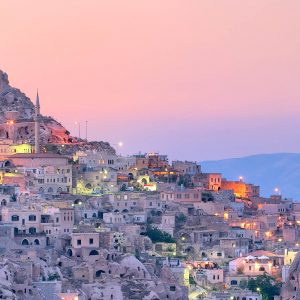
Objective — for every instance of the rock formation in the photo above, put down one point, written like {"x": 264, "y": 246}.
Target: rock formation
{"x": 291, "y": 289}
{"x": 17, "y": 122}
{"x": 17, "y": 118}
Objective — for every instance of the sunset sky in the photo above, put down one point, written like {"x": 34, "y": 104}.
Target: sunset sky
{"x": 196, "y": 79}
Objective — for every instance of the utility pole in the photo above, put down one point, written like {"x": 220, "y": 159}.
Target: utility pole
{"x": 86, "y": 130}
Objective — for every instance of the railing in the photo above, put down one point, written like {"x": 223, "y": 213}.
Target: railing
{"x": 22, "y": 234}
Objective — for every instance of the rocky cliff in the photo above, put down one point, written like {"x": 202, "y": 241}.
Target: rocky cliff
{"x": 17, "y": 121}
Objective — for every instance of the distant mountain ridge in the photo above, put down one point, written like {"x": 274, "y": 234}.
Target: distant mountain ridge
{"x": 280, "y": 170}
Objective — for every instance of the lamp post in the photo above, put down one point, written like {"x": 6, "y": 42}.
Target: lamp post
{"x": 277, "y": 191}
{"x": 118, "y": 146}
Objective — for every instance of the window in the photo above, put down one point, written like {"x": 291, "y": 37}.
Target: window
{"x": 32, "y": 230}
{"x": 91, "y": 241}
{"x": 233, "y": 282}
{"x": 15, "y": 218}
{"x": 32, "y": 218}
{"x": 78, "y": 242}
{"x": 57, "y": 220}
{"x": 172, "y": 288}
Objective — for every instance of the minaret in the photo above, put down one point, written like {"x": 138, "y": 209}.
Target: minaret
{"x": 37, "y": 124}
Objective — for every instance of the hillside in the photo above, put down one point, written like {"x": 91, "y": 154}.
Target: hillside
{"x": 16, "y": 107}
{"x": 280, "y": 170}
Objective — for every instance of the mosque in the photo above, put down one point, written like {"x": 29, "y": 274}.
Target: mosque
{"x": 19, "y": 135}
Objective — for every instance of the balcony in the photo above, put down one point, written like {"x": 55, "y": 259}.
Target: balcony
{"x": 26, "y": 234}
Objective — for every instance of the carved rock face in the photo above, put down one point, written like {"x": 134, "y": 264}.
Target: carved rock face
{"x": 16, "y": 106}
{"x": 3, "y": 81}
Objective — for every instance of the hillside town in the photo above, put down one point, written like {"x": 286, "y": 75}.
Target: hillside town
{"x": 80, "y": 221}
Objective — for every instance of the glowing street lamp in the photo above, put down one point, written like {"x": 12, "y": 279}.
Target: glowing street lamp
{"x": 241, "y": 178}
{"x": 119, "y": 145}
{"x": 277, "y": 191}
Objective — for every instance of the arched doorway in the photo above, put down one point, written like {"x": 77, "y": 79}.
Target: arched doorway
{"x": 130, "y": 176}
{"x": 36, "y": 242}
{"x": 69, "y": 252}
{"x": 77, "y": 201}
{"x": 88, "y": 186}
{"x": 94, "y": 252}
{"x": 25, "y": 242}
{"x": 99, "y": 272}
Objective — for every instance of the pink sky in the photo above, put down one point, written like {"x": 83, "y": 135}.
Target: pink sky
{"x": 197, "y": 79}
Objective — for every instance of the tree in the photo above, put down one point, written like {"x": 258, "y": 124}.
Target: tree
{"x": 181, "y": 218}
{"x": 267, "y": 286}
{"x": 53, "y": 277}
{"x": 185, "y": 180}
{"x": 243, "y": 284}
{"x": 158, "y": 236}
